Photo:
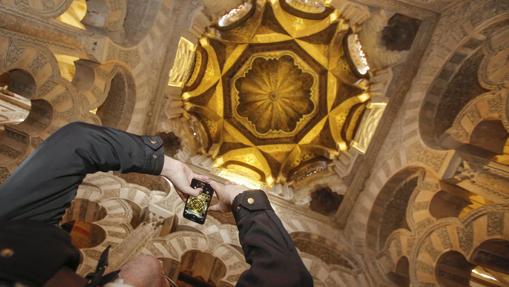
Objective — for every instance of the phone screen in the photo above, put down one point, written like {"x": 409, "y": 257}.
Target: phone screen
{"x": 197, "y": 206}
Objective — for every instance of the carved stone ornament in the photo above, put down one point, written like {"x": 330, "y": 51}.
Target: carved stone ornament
{"x": 368, "y": 126}
{"x": 235, "y": 14}
{"x": 182, "y": 64}
{"x": 493, "y": 72}
{"x": 465, "y": 172}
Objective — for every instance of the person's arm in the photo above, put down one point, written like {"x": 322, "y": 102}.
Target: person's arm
{"x": 266, "y": 244}
{"x": 43, "y": 186}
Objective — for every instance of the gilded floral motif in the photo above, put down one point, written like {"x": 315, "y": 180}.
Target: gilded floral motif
{"x": 275, "y": 94}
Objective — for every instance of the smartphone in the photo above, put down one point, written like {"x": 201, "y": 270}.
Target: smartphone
{"x": 197, "y": 206}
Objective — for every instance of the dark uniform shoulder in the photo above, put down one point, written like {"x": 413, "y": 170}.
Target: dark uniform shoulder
{"x": 32, "y": 251}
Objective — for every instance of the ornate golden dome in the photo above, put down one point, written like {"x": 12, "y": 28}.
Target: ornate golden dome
{"x": 275, "y": 92}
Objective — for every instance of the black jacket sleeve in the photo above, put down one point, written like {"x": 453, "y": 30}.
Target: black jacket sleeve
{"x": 43, "y": 186}
{"x": 267, "y": 246}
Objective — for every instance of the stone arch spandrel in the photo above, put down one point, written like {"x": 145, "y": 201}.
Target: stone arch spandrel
{"x": 147, "y": 107}
{"x": 140, "y": 17}
{"x": 158, "y": 248}
{"x": 108, "y": 15}
{"x": 135, "y": 193}
{"x": 54, "y": 99}
{"x": 356, "y": 227}
{"x": 234, "y": 261}
{"x": 120, "y": 100}
{"x": 92, "y": 81}
{"x": 97, "y": 188}
{"x": 38, "y": 62}
{"x": 397, "y": 156}
{"x": 138, "y": 57}
{"x": 418, "y": 214}
{"x": 126, "y": 23}
{"x": 356, "y": 13}
{"x": 296, "y": 221}
{"x": 399, "y": 244}
{"x": 147, "y": 113}
{"x": 42, "y": 8}
{"x": 117, "y": 211}
{"x": 330, "y": 252}
{"x": 216, "y": 232}
{"x": 106, "y": 186}
{"x": 390, "y": 205}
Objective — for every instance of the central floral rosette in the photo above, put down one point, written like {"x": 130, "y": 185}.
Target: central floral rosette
{"x": 274, "y": 94}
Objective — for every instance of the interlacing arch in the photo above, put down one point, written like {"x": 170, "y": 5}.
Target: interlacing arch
{"x": 114, "y": 196}
{"x": 53, "y": 99}
{"x": 387, "y": 213}
{"x": 98, "y": 93}
{"x": 426, "y": 242}
{"x": 399, "y": 243}
{"x": 490, "y": 106}
{"x": 176, "y": 244}
{"x": 463, "y": 236}
{"x": 418, "y": 210}
{"x": 121, "y": 203}
{"x": 330, "y": 263}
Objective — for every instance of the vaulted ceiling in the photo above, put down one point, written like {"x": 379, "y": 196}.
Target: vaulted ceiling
{"x": 274, "y": 90}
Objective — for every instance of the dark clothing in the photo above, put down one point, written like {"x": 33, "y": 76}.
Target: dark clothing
{"x": 43, "y": 186}
{"x": 35, "y": 197}
{"x": 38, "y": 192}
{"x": 266, "y": 244}
{"x": 39, "y": 251}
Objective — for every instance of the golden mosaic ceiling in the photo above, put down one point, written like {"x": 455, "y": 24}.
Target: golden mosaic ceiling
{"x": 272, "y": 96}
{"x": 274, "y": 92}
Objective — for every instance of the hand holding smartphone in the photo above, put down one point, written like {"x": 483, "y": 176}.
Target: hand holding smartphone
{"x": 196, "y": 207}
